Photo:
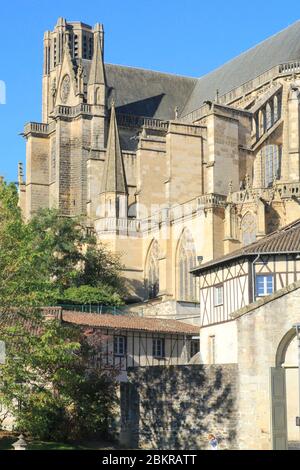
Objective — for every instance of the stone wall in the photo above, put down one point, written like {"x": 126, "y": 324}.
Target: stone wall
{"x": 189, "y": 312}
{"x": 261, "y": 327}
{"x": 176, "y": 407}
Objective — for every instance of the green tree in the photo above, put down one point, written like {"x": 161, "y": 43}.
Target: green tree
{"x": 74, "y": 259}
{"x": 103, "y": 294}
{"x": 24, "y": 279}
{"x": 47, "y": 383}
{"x": 42, "y": 259}
{"x": 47, "y": 386}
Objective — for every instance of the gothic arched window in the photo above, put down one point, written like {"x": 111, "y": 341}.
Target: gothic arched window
{"x": 271, "y": 156}
{"x": 152, "y": 279}
{"x": 248, "y": 228}
{"x": 186, "y": 260}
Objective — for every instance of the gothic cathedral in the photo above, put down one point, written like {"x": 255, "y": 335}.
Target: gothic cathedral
{"x": 169, "y": 171}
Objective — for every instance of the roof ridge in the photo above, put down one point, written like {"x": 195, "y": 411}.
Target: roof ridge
{"x": 276, "y": 233}
{"x": 250, "y": 49}
{"x": 158, "y": 325}
{"x": 252, "y": 62}
{"x": 133, "y": 67}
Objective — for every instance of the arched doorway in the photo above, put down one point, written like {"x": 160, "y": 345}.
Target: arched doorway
{"x": 285, "y": 384}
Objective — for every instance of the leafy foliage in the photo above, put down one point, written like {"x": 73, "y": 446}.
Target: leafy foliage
{"x": 47, "y": 383}
{"x": 50, "y": 254}
{"x": 47, "y": 386}
{"x": 104, "y": 294}
{"x": 23, "y": 275}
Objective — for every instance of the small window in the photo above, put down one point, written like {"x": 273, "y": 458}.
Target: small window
{"x": 194, "y": 347}
{"x": 218, "y": 293}
{"x": 158, "y": 347}
{"x": 264, "y": 285}
{"x": 119, "y": 345}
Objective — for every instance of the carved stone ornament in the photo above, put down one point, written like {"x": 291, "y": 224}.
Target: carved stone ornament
{"x": 53, "y": 87}
{"x": 65, "y": 88}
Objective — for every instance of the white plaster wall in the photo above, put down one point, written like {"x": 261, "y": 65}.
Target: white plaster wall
{"x": 225, "y": 343}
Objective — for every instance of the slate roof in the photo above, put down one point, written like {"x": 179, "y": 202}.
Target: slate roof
{"x": 147, "y": 93}
{"x": 285, "y": 240}
{"x": 282, "y": 47}
{"x": 143, "y": 92}
{"x": 126, "y": 322}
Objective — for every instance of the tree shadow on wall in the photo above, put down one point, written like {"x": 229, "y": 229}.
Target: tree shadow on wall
{"x": 180, "y": 405}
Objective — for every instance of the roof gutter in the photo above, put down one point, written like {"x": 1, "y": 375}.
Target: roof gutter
{"x": 209, "y": 265}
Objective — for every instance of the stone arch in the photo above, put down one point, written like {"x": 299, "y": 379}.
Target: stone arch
{"x": 132, "y": 210}
{"x": 185, "y": 261}
{"x": 98, "y": 96}
{"x": 152, "y": 270}
{"x": 279, "y": 394}
{"x": 283, "y": 347}
{"x": 248, "y": 228}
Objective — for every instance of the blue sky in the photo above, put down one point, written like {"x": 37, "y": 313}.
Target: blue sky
{"x": 188, "y": 37}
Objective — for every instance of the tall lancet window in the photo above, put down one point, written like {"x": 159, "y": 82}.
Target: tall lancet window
{"x": 152, "y": 279}
{"x": 186, "y": 260}
{"x": 271, "y": 156}
{"x": 248, "y": 228}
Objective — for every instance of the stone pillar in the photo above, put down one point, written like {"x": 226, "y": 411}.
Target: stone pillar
{"x": 293, "y": 135}
{"x": 261, "y": 219}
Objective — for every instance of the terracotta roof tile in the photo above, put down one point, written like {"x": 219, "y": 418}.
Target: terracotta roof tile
{"x": 126, "y": 322}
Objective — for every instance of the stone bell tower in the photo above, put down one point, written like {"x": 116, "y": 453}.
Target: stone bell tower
{"x": 85, "y": 47}
{"x": 72, "y": 131}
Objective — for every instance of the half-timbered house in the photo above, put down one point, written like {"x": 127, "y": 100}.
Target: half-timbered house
{"x": 132, "y": 341}
{"x": 231, "y": 282}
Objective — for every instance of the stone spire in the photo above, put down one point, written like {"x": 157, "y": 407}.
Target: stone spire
{"x": 114, "y": 180}
{"x": 97, "y": 73}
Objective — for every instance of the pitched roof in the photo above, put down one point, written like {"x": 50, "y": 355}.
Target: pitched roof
{"x": 141, "y": 92}
{"x": 285, "y": 240}
{"x": 114, "y": 174}
{"x": 282, "y": 47}
{"x": 126, "y": 322}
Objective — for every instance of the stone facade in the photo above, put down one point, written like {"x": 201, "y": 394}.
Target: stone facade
{"x": 264, "y": 335}
{"x": 159, "y": 411}
{"x": 260, "y": 339}
{"x": 187, "y": 184}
